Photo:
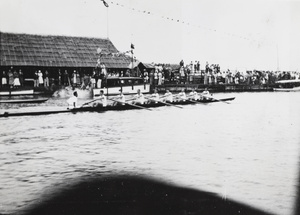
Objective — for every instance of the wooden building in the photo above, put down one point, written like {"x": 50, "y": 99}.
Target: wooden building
{"x": 52, "y": 53}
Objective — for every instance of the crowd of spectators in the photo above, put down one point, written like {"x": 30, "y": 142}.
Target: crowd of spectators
{"x": 156, "y": 75}
{"x": 212, "y": 74}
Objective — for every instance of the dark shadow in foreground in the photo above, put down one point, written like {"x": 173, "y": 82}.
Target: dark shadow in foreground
{"x": 135, "y": 195}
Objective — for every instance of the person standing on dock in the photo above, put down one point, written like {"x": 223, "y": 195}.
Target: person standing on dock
{"x": 93, "y": 79}
{"x": 46, "y": 79}
{"x": 41, "y": 80}
{"x": 59, "y": 78}
{"x": 10, "y": 78}
{"x": 66, "y": 78}
{"x": 3, "y": 79}
{"x": 36, "y": 79}
{"x": 160, "y": 77}
{"x": 74, "y": 78}
{"x": 16, "y": 79}
{"x": 72, "y": 102}
{"x": 21, "y": 78}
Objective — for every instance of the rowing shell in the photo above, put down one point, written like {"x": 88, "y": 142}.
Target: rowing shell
{"x": 109, "y": 108}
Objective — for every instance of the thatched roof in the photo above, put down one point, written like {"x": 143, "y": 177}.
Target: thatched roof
{"x": 58, "y": 51}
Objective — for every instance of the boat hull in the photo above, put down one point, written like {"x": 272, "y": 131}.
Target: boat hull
{"x": 16, "y": 92}
{"x": 112, "y": 108}
{"x": 294, "y": 89}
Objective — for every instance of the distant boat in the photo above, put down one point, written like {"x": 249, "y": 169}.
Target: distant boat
{"x": 21, "y": 101}
{"x": 128, "y": 85}
{"x": 287, "y": 85}
{"x": 16, "y": 92}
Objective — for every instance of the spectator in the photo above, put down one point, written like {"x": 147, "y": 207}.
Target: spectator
{"x": 10, "y": 78}
{"x": 4, "y": 79}
{"x": 16, "y": 79}
{"x": 46, "y": 79}
{"x": 21, "y": 78}
{"x": 41, "y": 80}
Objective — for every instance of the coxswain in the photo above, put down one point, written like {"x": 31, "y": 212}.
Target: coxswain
{"x": 168, "y": 96}
{"x": 139, "y": 98}
{"x": 120, "y": 99}
{"x": 181, "y": 95}
{"x": 101, "y": 100}
{"x": 72, "y": 101}
{"x": 194, "y": 95}
{"x": 154, "y": 97}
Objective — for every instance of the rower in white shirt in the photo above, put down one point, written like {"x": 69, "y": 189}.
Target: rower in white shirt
{"x": 194, "y": 95}
{"x": 168, "y": 97}
{"x": 120, "y": 99}
{"x": 154, "y": 97}
{"x": 101, "y": 100}
{"x": 181, "y": 95}
{"x": 205, "y": 95}
{"x": 139, "y": 98}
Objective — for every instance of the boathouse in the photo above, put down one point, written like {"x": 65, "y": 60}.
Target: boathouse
{"x": 52, "y": 53}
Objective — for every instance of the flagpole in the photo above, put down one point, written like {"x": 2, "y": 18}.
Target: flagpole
{"x": 277, "y": 57}
{"x": 107, "y": 27}
{"x": 131, "y": 60}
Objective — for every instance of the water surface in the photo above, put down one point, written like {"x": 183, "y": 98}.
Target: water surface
{"x": 247, "y": 150}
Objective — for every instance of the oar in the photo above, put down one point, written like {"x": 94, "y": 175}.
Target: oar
{"x": 130, "y": 104}
{"x": 131, "y": 99}
{"x": 215, "y": 99}
{"x": 164, "y": 103}
{"x": 88, "y": 102}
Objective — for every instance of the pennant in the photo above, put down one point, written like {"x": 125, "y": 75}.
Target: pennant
{"x": 132, "y": 46}
{"x": 104, "y": 2}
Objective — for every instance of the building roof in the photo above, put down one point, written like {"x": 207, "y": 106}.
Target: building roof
{"x": 58, "y": 51}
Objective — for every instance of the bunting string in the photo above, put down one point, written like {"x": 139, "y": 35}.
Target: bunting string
{"x": 182, "y": 22}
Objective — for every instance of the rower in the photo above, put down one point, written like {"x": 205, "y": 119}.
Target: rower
{"x": 72, "y": 101}
{"x": 154, "y": 97}
{"x": 101, "y": 100}
{"x": 205, "y": 95}
{"x": 182, "y": 95}
{"x": 168, "y": 96}
{"x": 205, "y": 92}
{"x": 139, "y": 98}
{"x": 120, "y": 99}
{"x": 194, "y": 95}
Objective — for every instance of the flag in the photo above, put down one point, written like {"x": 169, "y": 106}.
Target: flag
{"x": 105, "y": 4}
{"x": 132, "y": 46}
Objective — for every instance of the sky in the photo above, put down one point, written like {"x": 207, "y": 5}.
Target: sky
{"x": 236, "y": 34}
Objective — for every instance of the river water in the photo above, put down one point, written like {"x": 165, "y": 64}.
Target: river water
{"x": 246, "y": 151}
